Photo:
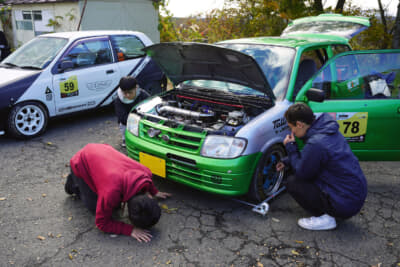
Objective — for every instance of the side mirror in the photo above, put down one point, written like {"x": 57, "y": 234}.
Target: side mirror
{"x": 64, "y": 65}
{"x": 316, "y": 95}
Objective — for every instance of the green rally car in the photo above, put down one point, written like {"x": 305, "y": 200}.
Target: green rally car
{"x": 222, "y": 126}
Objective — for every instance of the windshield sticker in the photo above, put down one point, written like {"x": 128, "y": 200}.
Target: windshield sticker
{"x": 69, "y": 87}
{"x": 353, "y": 85}
{"x": 353, "y": 125}
{"x": 49, "y": 94}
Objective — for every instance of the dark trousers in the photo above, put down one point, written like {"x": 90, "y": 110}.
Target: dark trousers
{"x": 309, "y": 197}
{"x": 81, "y": 189}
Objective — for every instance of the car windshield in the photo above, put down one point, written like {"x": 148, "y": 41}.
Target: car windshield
{"x": 223, "y": 86}
{"x": 275, "y": 62}
{"x": 338, "y": 28}
{"x": 37, "y": 53}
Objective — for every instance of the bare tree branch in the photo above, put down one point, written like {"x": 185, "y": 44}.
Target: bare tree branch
{"x": 339, "y": 6}
{"x": 396, "y": 34}
{"x": 383, "y": 18}
{"x": 318, "y": 6}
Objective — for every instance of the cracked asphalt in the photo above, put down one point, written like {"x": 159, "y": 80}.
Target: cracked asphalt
{"x": 42, "y": 226}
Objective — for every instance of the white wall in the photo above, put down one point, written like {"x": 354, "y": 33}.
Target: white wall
{"x": 136, "y": 15}
{"x": 48, "y": 11}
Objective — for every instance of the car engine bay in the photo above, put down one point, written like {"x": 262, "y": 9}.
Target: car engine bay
{"x": 216, "y": 112}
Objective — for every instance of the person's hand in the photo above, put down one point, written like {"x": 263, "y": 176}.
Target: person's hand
{"x": 163, "y": 195}
{"x": 141, "y": 235}
{"x": 280, "y": 166}
{"x": 289, "y": 138}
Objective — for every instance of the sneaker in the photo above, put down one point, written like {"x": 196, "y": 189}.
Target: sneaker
{"x": 324, "y": 222}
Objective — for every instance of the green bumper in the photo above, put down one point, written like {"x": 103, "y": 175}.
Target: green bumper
{"x": 229, "y": 177}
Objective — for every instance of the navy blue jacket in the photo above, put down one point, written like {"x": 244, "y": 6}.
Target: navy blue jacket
{"x": 122, "y": 110}
{"x": 327, "y": 160}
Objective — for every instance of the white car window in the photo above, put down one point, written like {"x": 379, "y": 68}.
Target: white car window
{"x": 127, "y": 47}
{"x": 89, "y": 53}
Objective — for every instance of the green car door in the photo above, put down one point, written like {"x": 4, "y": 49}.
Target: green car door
{"x": 361, "y": 91}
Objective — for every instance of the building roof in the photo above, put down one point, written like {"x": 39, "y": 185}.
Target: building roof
{"x": 26, "y": 2}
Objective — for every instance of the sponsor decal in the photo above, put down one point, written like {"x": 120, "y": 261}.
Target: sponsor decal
{"x": 69, "y": 87}
{"x": 280, "y": 125}
{"x": 49, "y": 94}
{"x": 80, "y": 106}
{"x": 72, "y": 107}
{"x": 99, "y": 85}
{"x": 353, "y": 125}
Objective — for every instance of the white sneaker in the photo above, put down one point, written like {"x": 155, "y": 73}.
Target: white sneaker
{"x": 324, "y": 222}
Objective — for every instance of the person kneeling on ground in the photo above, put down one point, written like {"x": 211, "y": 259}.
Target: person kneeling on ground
{"x": 328, "y": 181}
{"x": 129, "y": 95}
{"x": 104, "y": 179}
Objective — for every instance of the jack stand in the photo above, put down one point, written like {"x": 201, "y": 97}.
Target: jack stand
{"x": 263, "y": 207}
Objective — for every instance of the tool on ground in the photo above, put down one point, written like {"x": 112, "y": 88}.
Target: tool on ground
{"x": 263, "y": 207}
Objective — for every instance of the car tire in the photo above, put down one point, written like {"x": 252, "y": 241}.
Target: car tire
{"x": 266, "y": 180}
{"x": 27, "y": 120}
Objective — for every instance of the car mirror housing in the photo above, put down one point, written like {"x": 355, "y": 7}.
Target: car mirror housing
{"x": 64, "y": 65}
{"x": 316, "y": 95}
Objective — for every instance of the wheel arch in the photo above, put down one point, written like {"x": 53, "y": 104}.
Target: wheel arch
{"x": 46, "y": 109}
{"x": 278, "y": 141}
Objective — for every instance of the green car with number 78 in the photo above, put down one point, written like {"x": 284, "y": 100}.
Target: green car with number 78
{"x": 221, "y": 128}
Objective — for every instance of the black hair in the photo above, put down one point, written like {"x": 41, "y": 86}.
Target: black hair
{"x": 299, "y": 112}
{"x": 127, "y": 83}
{"x": 144, "y": 212}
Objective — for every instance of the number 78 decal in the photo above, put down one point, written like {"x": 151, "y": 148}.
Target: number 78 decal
{"x": 353, "y": 125}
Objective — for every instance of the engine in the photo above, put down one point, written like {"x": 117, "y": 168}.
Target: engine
{"x": 216, "y": 114}
{"x": 211, "y": 117}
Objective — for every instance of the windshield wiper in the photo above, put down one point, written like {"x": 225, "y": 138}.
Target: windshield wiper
{"x": 30, "y": 67}
{"x": 9, "y": 64}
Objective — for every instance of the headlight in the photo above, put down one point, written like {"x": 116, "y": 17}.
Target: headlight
{"x": 216, "y": 146}
{"x": 133, "y": 124}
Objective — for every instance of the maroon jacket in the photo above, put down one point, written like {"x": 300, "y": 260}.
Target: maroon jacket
{"x": 115, "y": 178}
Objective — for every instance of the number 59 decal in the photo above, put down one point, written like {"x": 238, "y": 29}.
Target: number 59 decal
{"x": 69, "y": 87}
{"x": 353, "y": 125}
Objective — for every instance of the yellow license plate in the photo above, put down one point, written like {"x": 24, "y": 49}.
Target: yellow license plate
{"x": 155, "y": 164}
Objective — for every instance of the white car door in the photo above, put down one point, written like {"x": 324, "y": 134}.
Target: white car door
{"x": 88, "y": 76}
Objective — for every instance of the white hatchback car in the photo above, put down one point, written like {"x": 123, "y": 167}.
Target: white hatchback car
{"x": 61, "y": 73}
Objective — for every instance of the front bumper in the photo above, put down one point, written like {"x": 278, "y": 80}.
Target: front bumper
{"x": 229, "y": 177}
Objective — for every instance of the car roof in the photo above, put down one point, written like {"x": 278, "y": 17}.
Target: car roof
{"x": 295, "y": 41}
{"x": 81, "y": 34}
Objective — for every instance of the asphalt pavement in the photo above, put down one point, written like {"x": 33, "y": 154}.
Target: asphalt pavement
{"x": 43, "y": 226}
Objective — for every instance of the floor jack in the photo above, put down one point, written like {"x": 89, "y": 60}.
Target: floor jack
{"x": 263, "y": 207}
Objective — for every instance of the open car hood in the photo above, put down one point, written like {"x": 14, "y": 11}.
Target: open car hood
{"x": 329, "y": 24}
{"x": 195, "y": 61}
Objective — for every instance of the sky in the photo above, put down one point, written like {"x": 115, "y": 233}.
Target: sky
{"x": 185, "y": 8}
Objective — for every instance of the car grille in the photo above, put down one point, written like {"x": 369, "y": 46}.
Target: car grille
{"x": 185, "y": 169}
{"x": 176, "y": 136}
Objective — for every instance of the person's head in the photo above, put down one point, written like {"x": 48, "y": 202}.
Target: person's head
{"x": 144, "y": 212}
{"x": 299, "y": 118}
{"x": 128, "y": 86}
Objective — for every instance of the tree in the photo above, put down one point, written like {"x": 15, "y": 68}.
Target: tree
{"x": 251, "y": 18}
{"x": 339, "y": 6}
{"x": 396, "y": 31}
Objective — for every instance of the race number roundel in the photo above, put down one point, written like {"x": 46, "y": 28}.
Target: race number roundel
{"x": 69, "y": 87}
{"x": 353, "y": 125}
